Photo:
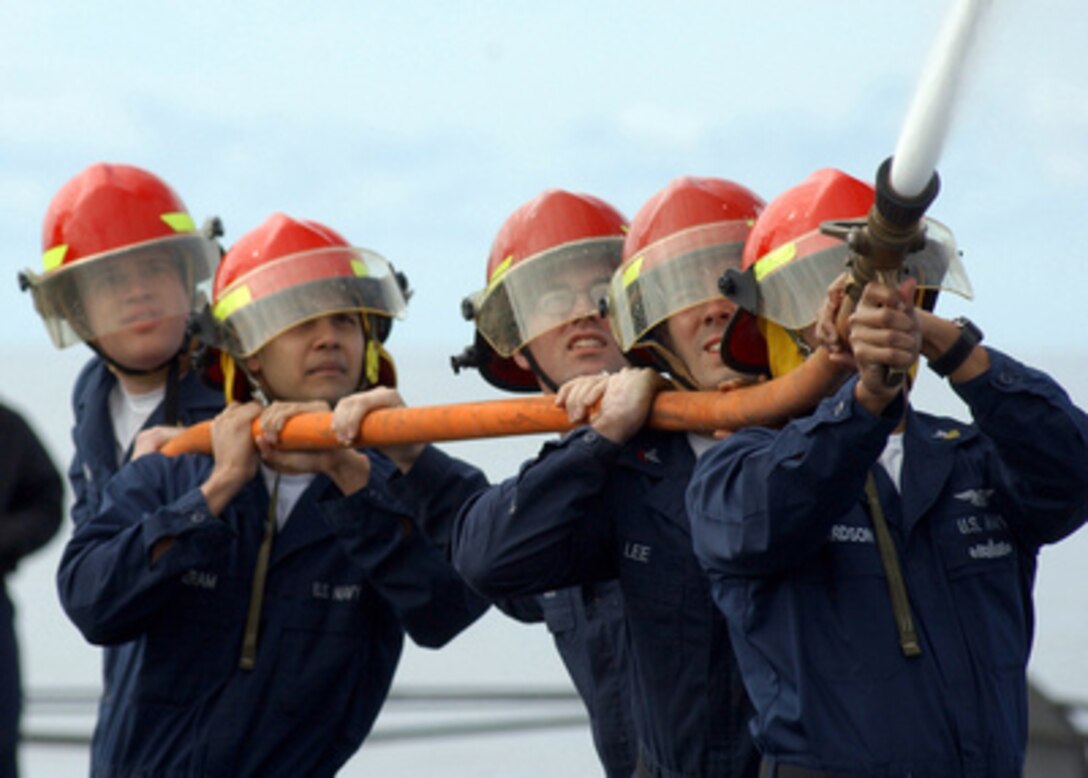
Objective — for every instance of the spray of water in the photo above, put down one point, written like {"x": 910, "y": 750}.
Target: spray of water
{"x": 930, "y": 113}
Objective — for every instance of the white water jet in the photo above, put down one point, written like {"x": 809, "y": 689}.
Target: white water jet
{"x": 930, "y": 114}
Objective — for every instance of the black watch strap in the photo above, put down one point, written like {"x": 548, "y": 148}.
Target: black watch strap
{"x": 948, "y": 362}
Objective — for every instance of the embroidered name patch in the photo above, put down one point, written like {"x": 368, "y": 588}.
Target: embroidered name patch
{"x": 844, "y": 533}
{"x": 201, "y": 579}
{"x": 322, "y": 590}
{"x": 991, "y": 549}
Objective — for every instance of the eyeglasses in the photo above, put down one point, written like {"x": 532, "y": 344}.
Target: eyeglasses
{"x": 561, "y": 302}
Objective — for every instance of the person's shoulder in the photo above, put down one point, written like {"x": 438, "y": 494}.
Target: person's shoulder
{"x": 199, "y": 399}
{"x": 194, "y": 383}
{"x": 93, "y": 376}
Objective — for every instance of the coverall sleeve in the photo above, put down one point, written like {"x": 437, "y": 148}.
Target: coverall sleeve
{"x": 1041, "y": 440}
{"x": 78, "y": 484}
{"x": 80, "y": 509}
{"x": 546, "y": 528}
{"x": 434, "y": 490}
{"x": 31, "y": 492}
{"x": 107, "y": 584}
{"x": 762, "y": 501}
{"x": 413, "y": 575}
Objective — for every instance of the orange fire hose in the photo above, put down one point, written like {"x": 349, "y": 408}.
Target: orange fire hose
{"x": 765, "y": 404}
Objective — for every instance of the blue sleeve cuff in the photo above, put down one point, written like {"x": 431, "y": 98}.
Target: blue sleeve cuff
{"x": 190, "y": 520}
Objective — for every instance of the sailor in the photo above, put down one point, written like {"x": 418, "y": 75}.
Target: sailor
{"x": 875, "y": 563}
{"x": 266, "y": 592}
{"x": 123, "y": 264}
{"x": 538, "y": 324}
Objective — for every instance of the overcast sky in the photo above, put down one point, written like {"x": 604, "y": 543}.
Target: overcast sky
{"x": 414, "y": 128}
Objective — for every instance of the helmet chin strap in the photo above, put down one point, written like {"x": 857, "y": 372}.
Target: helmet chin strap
{"x": 256, "y": 389}
{"x": 170, "y": 398}
{"x": 538, "y": 371}
{"x": 663, "y": 359}
{"x": 675, "y": 368}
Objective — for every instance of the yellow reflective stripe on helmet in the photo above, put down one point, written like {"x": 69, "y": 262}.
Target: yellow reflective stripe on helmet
{"x": 632, "y": 271}
{"x": 359, "y": 268}
{"x": 500, "y": 271}
{"x": 768, "y": 263}
{"x": 231, "y": 302}
{"x": 54, "y": 257}
{"x": 179, "y": 221}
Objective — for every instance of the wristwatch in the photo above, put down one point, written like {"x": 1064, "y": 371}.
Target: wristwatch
{"x": 948, "y": 362}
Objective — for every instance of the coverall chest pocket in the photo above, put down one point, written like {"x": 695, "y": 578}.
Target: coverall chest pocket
{"x": 195, "y": 641}
{"x": 651, "y": 574}
{"x": 323, "y": 647}
{"x": 843, "y": 592}
{"x": 653, "y": 591}
{"x": 983, "y": 568}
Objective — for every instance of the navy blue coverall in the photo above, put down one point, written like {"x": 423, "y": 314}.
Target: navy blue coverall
{"x": 347, "y": 577}
{"x": 783, "y": 527}
{"x": 94, "y": 463}
{"x": 590, "y": 510}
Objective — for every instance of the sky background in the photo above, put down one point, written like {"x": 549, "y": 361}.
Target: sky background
{"x": 415, "y": 128}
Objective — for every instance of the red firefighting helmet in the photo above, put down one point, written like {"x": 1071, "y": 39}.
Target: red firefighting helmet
{"x": 679, "y": 244}
{"x": 540, "y": 245}
{"x": 789, "y": 263}
{"x": 106, "y": 227}
{"x": 288, "y": 271}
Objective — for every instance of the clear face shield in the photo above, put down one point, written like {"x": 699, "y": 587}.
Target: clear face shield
{"x": 288, "y": 291}
{"x": 670, "y": 276}
{"x": 121, "y": 291}
{"x": 792, "y": 280}
{"x": 546, "y": 291}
